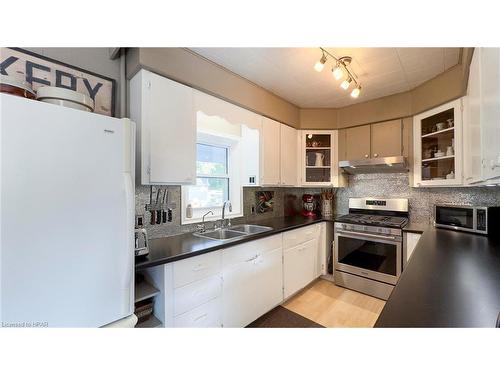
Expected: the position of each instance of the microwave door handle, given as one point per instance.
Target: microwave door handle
(367, 235)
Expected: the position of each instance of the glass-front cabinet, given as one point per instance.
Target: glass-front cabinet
(319, 151)
(438, 146)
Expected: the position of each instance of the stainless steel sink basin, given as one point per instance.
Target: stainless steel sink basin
(233, 233)
(221, 234)
(250, 228)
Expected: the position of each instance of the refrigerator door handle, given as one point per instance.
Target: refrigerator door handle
(130, 246)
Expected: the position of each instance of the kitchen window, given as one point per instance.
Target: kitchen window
(216, 180)
(212, 177)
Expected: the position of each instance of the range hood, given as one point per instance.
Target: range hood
(392, 164)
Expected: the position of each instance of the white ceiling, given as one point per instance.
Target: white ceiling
(289, 73)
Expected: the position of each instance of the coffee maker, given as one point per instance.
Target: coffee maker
(308, 205)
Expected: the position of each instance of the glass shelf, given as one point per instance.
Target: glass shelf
(438, 158)
(444, 131)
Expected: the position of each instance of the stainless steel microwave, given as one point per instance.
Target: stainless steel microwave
(476, 219)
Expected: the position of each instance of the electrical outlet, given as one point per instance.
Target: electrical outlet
(139, 221)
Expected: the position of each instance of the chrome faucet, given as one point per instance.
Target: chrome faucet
(229, 205)
(201, 227)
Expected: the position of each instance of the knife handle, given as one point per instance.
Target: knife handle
(153, 217)
(164, 216)
(158, 217)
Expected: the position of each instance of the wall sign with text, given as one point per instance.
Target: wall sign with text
(43, 71)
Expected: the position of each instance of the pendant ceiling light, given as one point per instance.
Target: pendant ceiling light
(341, 70)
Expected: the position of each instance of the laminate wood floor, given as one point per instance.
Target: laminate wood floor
(331, 306)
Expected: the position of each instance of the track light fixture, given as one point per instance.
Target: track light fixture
(341, 70)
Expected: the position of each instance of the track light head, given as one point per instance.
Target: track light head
(337, 72)
(355, 93)
(320, 64)
(346, 83)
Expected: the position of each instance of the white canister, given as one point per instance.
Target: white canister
(65, 97)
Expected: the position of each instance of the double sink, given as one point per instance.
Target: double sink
(233, 233)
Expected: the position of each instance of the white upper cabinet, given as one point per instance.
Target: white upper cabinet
(437, 136)
(490, 111)
(166, 130)
(472, 123)
(482, 118)
(270, 153)
(288, 155)
(319, 159)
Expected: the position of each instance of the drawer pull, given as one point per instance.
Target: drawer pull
(203, 316)
(199, 267)
(252, 258)
(200, 292)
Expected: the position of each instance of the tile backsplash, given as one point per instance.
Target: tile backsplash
(287, 200)
(421, 200)
(249, 205)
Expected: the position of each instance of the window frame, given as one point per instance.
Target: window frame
(235, 189)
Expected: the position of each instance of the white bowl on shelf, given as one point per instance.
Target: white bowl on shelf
(439, 154)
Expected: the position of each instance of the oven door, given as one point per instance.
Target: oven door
(376, 257)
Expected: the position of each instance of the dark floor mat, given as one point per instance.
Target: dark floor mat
(280, 317)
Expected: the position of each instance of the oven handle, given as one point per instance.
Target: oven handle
(368, 235)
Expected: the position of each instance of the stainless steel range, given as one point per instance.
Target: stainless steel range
(369, 245)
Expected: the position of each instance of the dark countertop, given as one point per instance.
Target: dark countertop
(451, 280)
(173, 248)
(415, 227)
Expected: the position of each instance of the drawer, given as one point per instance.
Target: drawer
(196, 268)
(242, 253)
(192, 295)
(297, 236)
(205, 316)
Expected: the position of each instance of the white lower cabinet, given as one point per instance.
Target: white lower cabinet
(299, 266)
(410, 242)
(253, 281)
(234, 286)
(252, 288)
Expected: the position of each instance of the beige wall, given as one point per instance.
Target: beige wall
(382, 109)
(193, 70)
(318, 118)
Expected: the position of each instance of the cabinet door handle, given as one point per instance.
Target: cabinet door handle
(375, 155)
(366, 155)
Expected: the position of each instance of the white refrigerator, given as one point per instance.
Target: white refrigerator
(67, 216)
